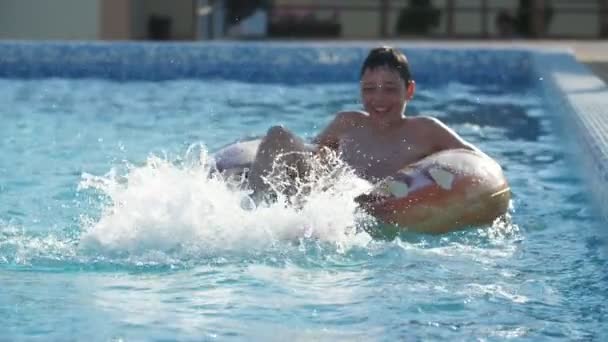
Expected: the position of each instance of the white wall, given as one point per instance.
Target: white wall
(45, 19)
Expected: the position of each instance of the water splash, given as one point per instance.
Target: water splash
(176, 206)
(17, 247)
(179, 213)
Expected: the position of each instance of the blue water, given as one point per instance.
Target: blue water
(109, 229)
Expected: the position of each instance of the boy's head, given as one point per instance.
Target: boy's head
(386, 84)
(390, 58)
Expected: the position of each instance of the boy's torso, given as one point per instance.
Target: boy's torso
(377, 153)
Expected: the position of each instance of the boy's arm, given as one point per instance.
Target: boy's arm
(330, 136)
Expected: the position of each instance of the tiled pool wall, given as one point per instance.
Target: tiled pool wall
(251, 62)
(579, 99)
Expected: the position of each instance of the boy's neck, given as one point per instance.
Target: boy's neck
(391, 123)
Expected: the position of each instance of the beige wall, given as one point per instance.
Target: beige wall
(56, 19)
(128, 19)
(91, 19)
(362, 24)
(571, 23)
(356, 23)
(115, 20)
(564, 23)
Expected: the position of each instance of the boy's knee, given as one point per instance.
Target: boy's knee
(279, 135)
(274, 141)
(278, 130)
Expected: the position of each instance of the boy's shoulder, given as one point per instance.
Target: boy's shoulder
(425, 121)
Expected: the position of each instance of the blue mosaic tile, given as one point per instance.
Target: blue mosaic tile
(252, 62)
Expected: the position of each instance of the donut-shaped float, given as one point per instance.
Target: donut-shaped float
(443, 192)
(235, 159)
(446, 191)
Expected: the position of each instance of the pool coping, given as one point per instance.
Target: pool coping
(581, 99)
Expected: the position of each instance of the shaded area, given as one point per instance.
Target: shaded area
(527, 21)
(599, 68)
(420, 17)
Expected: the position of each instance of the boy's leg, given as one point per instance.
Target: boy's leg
(278, 143)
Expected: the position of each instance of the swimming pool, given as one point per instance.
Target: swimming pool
(109, 230)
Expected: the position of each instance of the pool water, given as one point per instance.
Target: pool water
(110, 229)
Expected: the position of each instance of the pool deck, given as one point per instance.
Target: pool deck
(594, 55)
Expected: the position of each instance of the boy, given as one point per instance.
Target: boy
(376, 142)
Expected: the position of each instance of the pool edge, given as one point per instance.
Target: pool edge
(580, 98)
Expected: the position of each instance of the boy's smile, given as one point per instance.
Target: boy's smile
(384, 94)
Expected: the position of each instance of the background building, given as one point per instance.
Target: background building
(332, 19)
(98, 19)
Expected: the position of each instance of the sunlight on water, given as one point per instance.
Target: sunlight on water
(167, 206)
(19, 247)
(98, 239)
(175, 211)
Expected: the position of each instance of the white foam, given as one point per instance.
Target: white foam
(498, 290)
(21, 248)
(164, 206)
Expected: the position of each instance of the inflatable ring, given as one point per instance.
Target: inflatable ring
(446, 191)
(443, 192)
(236, 159)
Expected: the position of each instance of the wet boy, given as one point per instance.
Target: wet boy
(375, 142)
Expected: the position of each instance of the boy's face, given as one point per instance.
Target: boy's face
(384, 93)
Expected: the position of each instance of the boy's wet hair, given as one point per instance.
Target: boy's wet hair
(389, 57)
